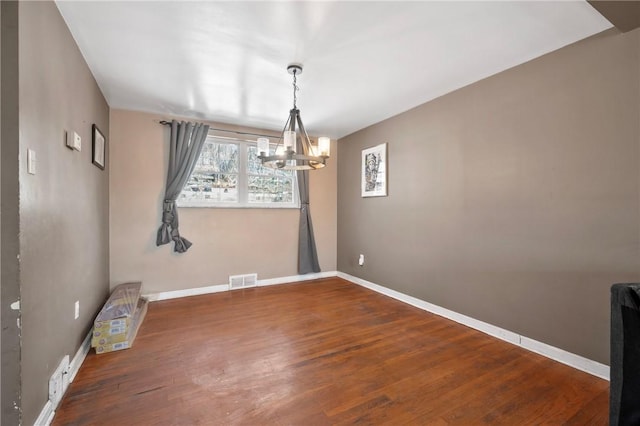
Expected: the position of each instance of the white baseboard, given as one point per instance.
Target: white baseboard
(576, 361)
(80, 355)
(48, 411)
(557, 354)
(165, 295)
(46, 415)
(296, 278)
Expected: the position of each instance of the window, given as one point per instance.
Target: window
(229, 174)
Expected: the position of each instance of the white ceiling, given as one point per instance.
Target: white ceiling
(363, 61)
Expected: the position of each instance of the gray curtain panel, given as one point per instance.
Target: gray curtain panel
(307, 254)
(186, 144)
(624, 387)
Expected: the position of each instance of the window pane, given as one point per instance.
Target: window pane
(216, 187)
(267, 185)
(215, 176)
(218, 158)
(270, 189)
(255, 167)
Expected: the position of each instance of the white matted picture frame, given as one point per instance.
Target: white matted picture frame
(99, 147)
(374, 171)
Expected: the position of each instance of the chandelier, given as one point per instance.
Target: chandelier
(289, 154)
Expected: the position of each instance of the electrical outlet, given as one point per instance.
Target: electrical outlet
(77, 310)
(59, 382)
(361, 260)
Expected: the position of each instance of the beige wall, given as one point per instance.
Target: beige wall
(514, 200)
(225, 241)
(64, 228)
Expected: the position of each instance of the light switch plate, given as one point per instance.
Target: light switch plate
(31, 162)
(67, 140)
(77, 142)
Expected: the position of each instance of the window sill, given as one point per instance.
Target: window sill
(235, 206)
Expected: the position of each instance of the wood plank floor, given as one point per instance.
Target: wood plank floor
(320, 353)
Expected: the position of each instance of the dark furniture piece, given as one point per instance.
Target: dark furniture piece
(624, 394)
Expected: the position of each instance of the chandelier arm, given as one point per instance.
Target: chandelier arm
(286, 127)
(306, 148)
(315, 166)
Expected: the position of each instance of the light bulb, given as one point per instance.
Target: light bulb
(324, 146)
(290, 140)
(263, 146)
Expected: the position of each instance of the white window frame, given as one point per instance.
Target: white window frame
(243, 183)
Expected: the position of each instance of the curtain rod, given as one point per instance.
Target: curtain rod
(168, 123)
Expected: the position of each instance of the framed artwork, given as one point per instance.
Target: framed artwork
(99, 146)
(374, 171)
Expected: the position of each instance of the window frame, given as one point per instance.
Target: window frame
(243, 182)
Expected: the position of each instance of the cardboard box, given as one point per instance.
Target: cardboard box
(139, 314)
(112, 324)
(119, 308)
(110, 336)
(109, 331)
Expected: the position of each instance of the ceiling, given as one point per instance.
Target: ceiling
(363, 61)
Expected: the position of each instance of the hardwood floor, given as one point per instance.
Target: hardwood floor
(319, 353)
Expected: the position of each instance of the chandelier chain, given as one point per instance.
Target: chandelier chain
(295, 89)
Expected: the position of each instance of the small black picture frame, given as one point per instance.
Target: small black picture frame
(99, 147)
